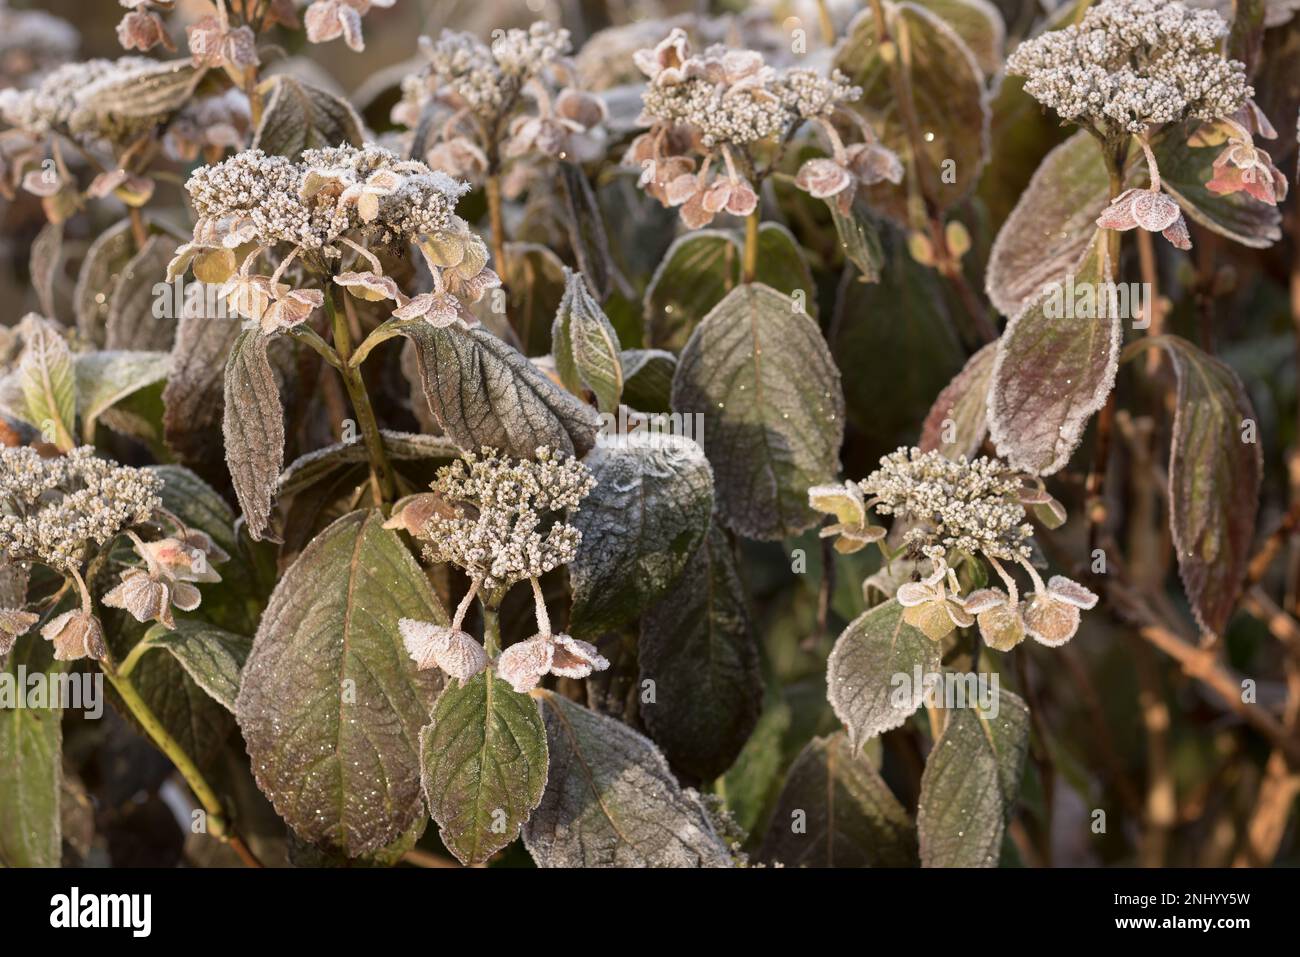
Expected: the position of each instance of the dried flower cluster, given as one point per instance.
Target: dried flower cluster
(172, 565)
(332, 203)
(714, 108)
(486, 515)
(955, 510)
(55, 509)
(310, 203)
(1131, 64)
(475, 95)
(498, 509)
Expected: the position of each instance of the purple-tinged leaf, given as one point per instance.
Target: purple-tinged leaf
(1055, 366)
(1051, 226)
(253, 425)
(958, 420)
(1215, 468)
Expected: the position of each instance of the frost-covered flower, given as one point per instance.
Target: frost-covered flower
(569, 129)
(484, 79)
(970, 506)
(524, 663)
(330, 19)
(852, 531)
(311, 203)
(849, 168)
(1130, 64)
(1244, 168)
(1000, 622)
(76, 634)
(14, 623)
(142, 28)
(501, 507)
(215, 43)
(172, 566)
(209, 125)
(53, 510)
(437, 646)
(710, 109)
(934, 604)
(1052, 616)
(1152, 210)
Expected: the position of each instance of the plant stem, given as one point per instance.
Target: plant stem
(749, 268)
(381, 474)
(491, 628)
(217, 824)
(825, 23)
(497, 224)
(1094, 505)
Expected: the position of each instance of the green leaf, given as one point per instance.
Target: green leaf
(640, 526)
(535, 285)
(1184, 171)
(104, 260)
(861, 675)
(898, 338)
(859, 240)
(49, 383)
(611, 800)
(31, 761)
(585, 346)
(299, 116)
(213, 658)
(1215, 470)
(753, 779)
(586, 227)
(696, 273)
(698, 648)
(837, 811)
(46, 266)
(483, 765)
(306, 470)
(1055, 366)
(1051, 226)
(253, 426)
(483, 392)
(199, 723)
(702, 267)
(759, 372)
(978, 23)
(648, 379)
(958, 420)
(330, 703)
(105, 378)
(131, 322)
(193, 399)
(947, 90)
(971, 780)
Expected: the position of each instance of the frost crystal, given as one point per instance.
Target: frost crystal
(1134, 63)
(313, 202)
(53, 510)
(465, 74)
(955, 512)
(500, 506)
